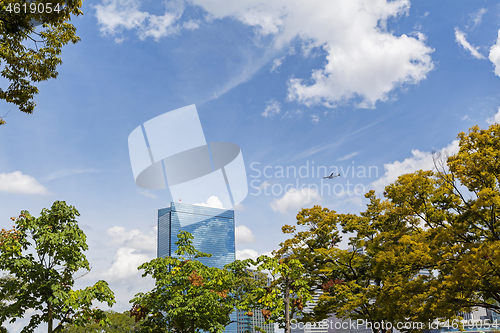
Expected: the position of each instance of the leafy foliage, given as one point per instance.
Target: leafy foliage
(430, 248)
(30, 52)
(5, 296)
(42, 255)
(287, 292)
(117, 323)
(189, 296)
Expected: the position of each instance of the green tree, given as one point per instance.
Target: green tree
(366, 281)
(287, 292)
(430, 248)
(457, 208)
(42, 255)
(5, 297)
(117, 323)
(346, 284)
(188, 296)
(32, 34)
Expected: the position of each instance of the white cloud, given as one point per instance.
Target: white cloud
(135, 248)
(213, 202)
(364, 61)
(246, 254)
(250, 254)
(16, 182)
(115, 16)
(348, 156)
(244, 234)
(134, 238)
(495, 119)
(293, 113)
(294, 200)
(125, 263)
(191, 25)
(477, 17)
(419, 161)
(495, 55)
(273, 108)
(276, 64)
(460, 38)
(314, 118)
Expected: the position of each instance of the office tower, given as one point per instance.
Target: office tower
(213, 232)
(212, 229)
(246, 323)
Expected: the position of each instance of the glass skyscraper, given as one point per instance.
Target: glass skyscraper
(212, 229)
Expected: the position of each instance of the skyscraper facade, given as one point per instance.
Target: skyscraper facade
(212, 229)
(213, 232)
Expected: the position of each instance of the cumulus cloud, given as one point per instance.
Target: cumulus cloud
(125, 263)
(419, 161)
(246, 254)
(294, 200)
(115, 16)
(364, 61)
(461, 39)
(495, 119)
(16, 182)
(244, 234)
(273, 108)
(135, 248)
(136, 239)
(495, 55)
(250, 254)
(213, 202)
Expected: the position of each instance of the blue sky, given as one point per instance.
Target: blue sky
(363, 84)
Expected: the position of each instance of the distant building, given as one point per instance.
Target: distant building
(212, 229)
(248, 324)
(317, 327)
(213, 232)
